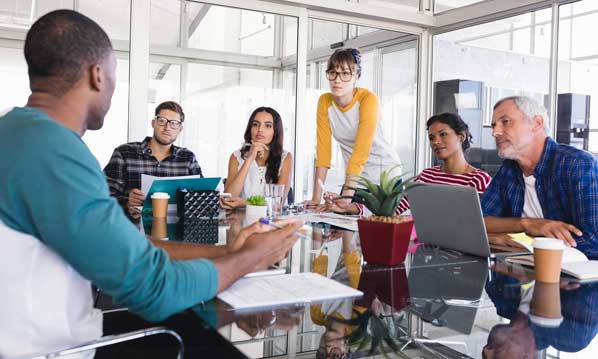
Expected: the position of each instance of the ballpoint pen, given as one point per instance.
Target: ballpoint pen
(269, 223)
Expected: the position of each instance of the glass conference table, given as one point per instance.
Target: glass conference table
(438, 304)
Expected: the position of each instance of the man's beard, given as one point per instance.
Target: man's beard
(163, 143)
(509, 152)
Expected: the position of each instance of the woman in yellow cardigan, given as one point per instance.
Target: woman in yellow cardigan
(351, 114)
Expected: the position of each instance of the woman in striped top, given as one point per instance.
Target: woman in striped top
(449, 137)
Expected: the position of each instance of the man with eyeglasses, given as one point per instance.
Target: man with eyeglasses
(155, 156)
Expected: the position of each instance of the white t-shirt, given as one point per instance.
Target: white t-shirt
(531, 203)
(256, 177)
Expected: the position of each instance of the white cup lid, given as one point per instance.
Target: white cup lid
(545, 322)
(160, 195)
(548, 243)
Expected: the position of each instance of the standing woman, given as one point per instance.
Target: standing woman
(351, 114)
(260, 160)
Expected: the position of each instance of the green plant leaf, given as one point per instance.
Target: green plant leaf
(388, 207)
(365, 342)
(383, 352)
(371, 201)
(256, 200)
(383, 198)
(392, 344)
(375, 343)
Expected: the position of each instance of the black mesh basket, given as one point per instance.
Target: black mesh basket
(198, 230)
(197, 203)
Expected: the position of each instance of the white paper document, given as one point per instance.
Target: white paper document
(335, 219)
(284, 289)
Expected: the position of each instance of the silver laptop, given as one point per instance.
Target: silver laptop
(451, 217)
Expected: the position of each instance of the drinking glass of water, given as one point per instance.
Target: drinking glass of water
(274, 194)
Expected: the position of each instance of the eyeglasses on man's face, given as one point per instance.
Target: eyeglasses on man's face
(162, 121)
(344, 75)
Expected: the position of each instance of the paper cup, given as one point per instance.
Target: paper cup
(159, 228)
(545, 307)
(548, 254)
(160, 204)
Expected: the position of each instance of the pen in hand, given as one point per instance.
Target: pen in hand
(269, 223)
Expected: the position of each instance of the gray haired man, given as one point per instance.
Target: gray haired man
(542, 188)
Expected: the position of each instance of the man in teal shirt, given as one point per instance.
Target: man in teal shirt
(59, 227)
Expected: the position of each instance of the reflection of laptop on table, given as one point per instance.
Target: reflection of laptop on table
(446, 290)
(451, 217)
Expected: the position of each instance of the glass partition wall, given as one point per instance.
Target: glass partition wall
(476, 66)
(221, 63)
(113, 15)
(577, 86)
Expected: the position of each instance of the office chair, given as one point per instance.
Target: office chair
(110, 340)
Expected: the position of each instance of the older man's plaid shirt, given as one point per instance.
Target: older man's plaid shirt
(131, 160)
(566, 185)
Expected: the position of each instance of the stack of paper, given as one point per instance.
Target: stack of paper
(284, 289)
(339, 220)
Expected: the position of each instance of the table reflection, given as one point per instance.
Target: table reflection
(401, 306)
(524, 303)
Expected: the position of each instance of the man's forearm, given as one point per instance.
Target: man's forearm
(504, 225)
(185, 251)
(234, 266)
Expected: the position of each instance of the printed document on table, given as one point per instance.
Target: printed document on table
(339, 220)
(284, 289)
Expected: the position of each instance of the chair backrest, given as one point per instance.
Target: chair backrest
(44, 303)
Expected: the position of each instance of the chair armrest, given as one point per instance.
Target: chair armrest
(113, 339)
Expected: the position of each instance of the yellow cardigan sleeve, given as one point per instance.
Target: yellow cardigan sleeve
(353, 266)
(324, 132)
(369, 113)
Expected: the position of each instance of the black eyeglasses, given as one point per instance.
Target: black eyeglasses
(162, 121)
(344, 75)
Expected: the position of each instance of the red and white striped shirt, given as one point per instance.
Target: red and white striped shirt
(477, 179)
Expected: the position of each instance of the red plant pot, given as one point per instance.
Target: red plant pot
(384, 243)
(388, 284)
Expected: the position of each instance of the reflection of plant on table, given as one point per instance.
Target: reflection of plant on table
(381, 332)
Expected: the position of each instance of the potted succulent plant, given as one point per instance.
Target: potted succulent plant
(256, 206)
(384, 236)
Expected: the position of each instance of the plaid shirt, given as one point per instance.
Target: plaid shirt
(131, 160)
(566, 185)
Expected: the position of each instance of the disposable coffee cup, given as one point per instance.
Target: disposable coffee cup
(545, 307)
(548, 254)
(159, 228)
(160, 204)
